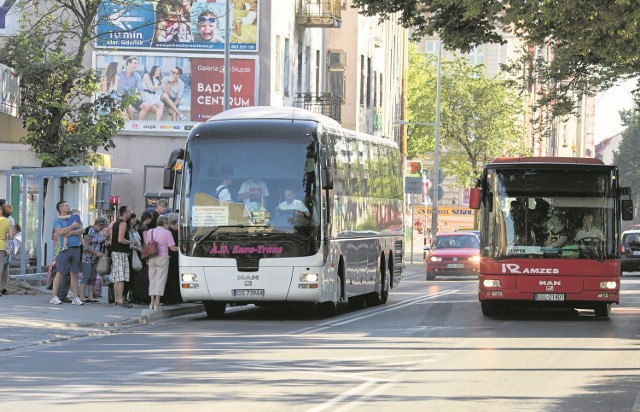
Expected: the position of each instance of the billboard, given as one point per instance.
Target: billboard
(178, 25)
(175, 92)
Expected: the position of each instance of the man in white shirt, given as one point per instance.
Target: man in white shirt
(253, 193)
(587, 230)
(291, 203)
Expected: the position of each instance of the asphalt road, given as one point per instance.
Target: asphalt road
(428, 348)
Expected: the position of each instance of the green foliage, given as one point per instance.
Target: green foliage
(627, 158)
(480, 118)
(64, 124)
(595, 43)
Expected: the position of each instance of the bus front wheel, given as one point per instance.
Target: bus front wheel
(602, 310)
(490, 308)
(215, 310)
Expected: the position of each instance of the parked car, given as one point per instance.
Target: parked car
(630, 251)
(454, 254)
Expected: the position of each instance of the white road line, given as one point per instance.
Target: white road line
(357, 317)
(156, 371)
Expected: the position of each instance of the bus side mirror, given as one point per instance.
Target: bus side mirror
(327, 171)
(474, 197)
(169, 169)
(168, 178)
(627, 209)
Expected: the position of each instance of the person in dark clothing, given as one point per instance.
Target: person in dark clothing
(172, 294)
(161, 209)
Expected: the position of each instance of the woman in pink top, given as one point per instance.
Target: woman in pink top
(159, 264)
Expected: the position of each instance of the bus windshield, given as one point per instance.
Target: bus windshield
(251, 197)
(549, 213)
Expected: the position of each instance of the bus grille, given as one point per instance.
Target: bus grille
(247, 264)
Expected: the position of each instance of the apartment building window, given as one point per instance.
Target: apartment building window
(380, 87)
(337, 65)
(362, 80)
(287, 65)
(476, 56)
(300, 69)
(431, 46)
(307, 69)
(375, 89)
(278, 68)
(369, 78)
(317, 71)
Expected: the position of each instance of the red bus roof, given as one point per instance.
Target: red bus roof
(581, 160)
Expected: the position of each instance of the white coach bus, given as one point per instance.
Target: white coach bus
(281, 205)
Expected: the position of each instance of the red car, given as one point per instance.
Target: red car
(453, 254)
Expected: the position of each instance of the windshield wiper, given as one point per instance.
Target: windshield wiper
(204, 237)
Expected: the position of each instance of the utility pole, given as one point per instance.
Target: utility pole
(227, 41)
(436, 160)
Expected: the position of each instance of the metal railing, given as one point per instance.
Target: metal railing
(327, 104)
(319, 13)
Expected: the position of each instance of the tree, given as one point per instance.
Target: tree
(595, 43)
(64, 124)
(480, 117)
(627, 157)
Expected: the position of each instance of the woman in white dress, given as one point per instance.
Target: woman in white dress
(153, 90)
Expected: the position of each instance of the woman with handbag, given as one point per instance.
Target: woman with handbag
(159, 263)
(92, 250)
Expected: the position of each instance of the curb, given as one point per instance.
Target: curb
(146, 316)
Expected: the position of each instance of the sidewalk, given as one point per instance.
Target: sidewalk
(30, 320)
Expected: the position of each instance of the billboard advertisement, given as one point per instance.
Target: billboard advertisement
(176, 92)
(178, 25)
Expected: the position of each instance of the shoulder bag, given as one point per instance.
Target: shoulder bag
(150, 248)
(104, 265)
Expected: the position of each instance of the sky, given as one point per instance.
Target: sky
(608, 104)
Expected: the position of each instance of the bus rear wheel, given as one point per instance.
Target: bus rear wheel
(215, 310)
(602, 310)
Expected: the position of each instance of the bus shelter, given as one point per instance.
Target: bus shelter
(40, 174)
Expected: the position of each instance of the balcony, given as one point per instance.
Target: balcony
(319, 13)
(327, 104)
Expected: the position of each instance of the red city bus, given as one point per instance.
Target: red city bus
(550, 233)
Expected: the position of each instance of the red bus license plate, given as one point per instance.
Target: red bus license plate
(549, 297)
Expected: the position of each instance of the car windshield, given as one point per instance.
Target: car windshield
(456, 242)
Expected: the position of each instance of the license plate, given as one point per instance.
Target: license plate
(455, 265)
(550, 297)
(248, 293)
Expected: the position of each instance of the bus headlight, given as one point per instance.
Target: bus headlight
(189, 277)
(609, 284)
(491, 283)
(309, 277)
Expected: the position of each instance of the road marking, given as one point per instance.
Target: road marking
(383, 310)
(156, 371)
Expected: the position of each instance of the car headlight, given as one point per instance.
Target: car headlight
(474, 259)
(435, 259)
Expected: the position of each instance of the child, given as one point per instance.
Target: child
(208, 28)
(74, 216)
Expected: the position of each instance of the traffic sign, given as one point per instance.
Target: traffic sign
(413, 185)
(414, 169)
(440, 193)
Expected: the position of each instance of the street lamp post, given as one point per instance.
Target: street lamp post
(436, 160)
